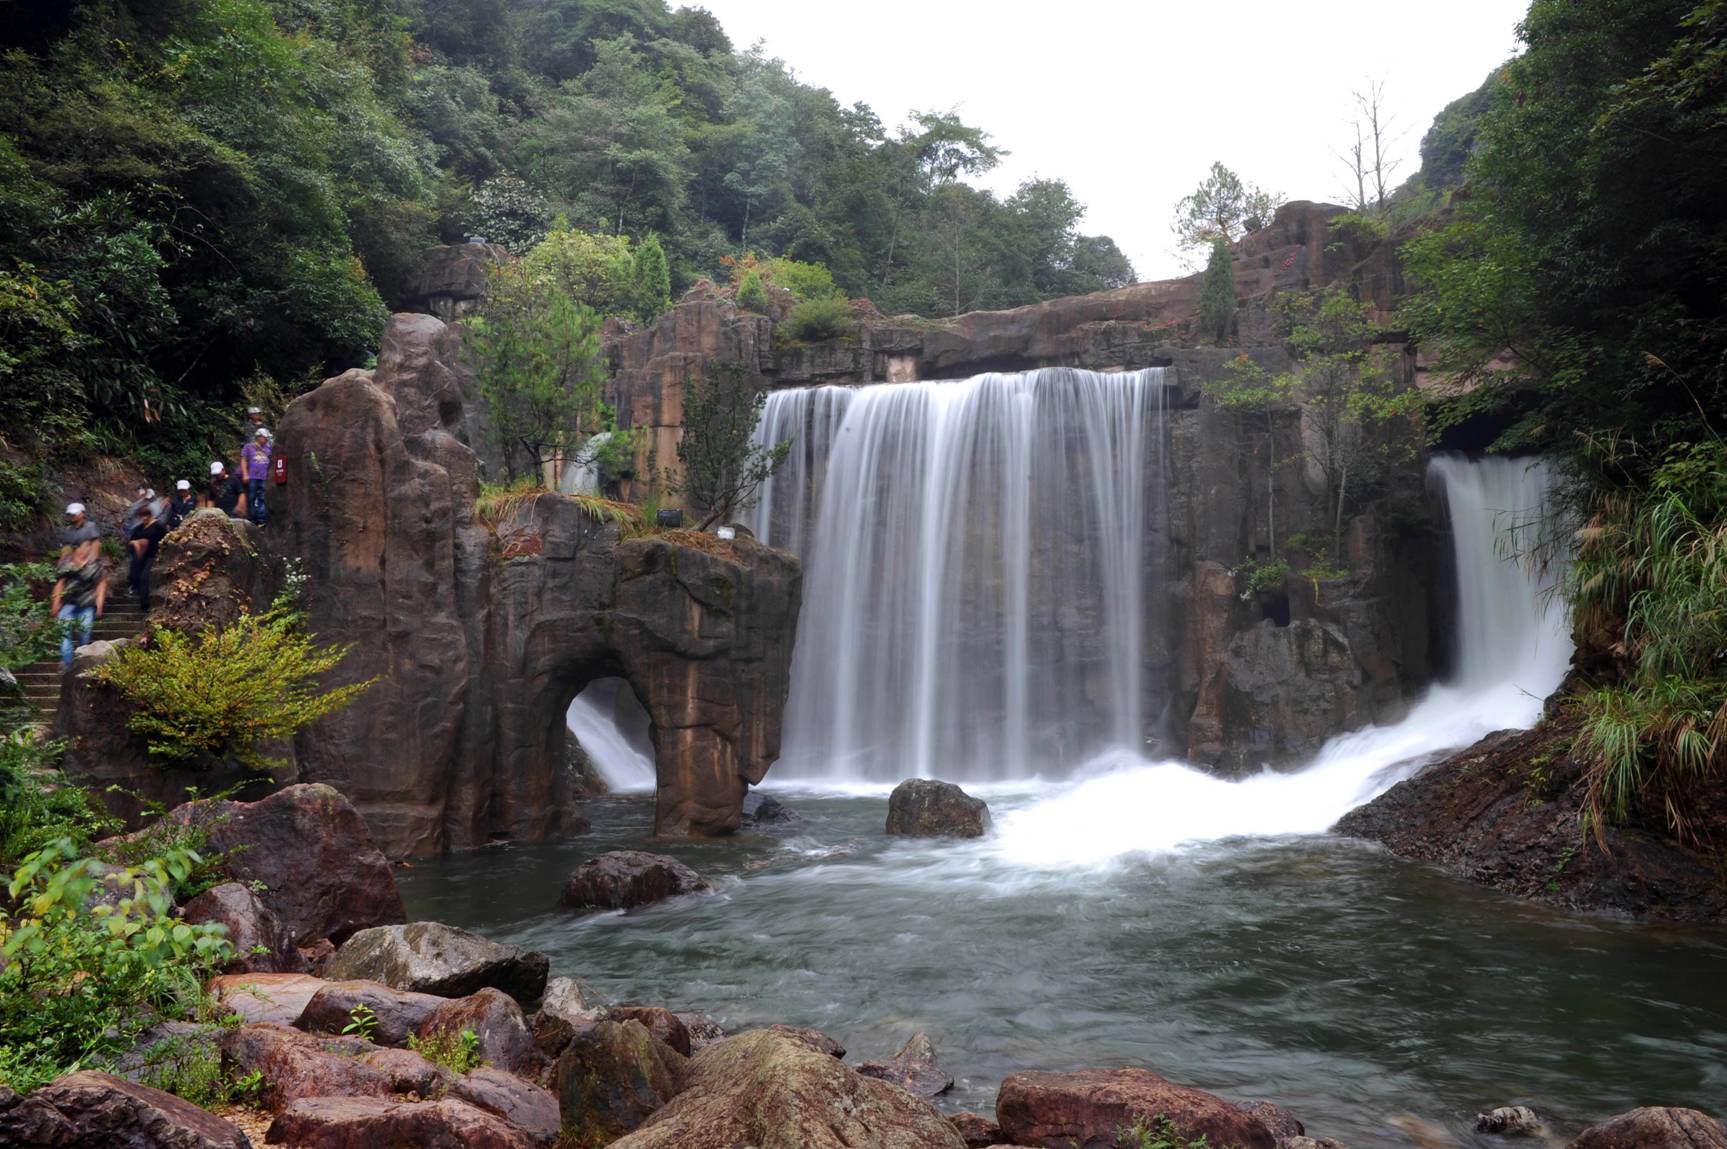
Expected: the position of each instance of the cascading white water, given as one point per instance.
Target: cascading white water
(1513, 650)
(975, 560)
(583, 476)
(611, 727)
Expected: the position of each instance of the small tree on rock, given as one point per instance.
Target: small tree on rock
(1222, 207)
(723, 468)
(652, 279)
(1217, 294)
(536, 354)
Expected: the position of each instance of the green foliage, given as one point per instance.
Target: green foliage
(752, 294)
(723, 468)
(1223, 208)
(651, 280)
(536, 353)
(596, 271)
(816, 319)
(362, 1021)
(804, 280)
(37, 805)
(457, 1052)
(27, 634)
(1651, 566)
(94, 958)
(1254, 396)
(1156, 1133)
(506, 210)
(1259, 577)
(224, 694)
(1217, 295)
(190, 1066)
(1449, 143)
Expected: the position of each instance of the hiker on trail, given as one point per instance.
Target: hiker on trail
(143, 542)
(80, 593)
(145, 498)
(180, 505)
(255, 467)
(226, 494)
(81, 541)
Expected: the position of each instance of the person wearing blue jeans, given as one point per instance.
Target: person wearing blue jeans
(255, 469)
(79, 596)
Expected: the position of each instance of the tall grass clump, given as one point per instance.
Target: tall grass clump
(1651, 566)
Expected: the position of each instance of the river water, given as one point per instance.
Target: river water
(1122, 911)
(1323, 974)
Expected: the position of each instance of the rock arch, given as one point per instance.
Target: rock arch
(480, 633)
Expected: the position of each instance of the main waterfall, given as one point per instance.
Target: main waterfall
(977, 555)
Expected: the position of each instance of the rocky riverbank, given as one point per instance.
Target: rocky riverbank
(352, 1027)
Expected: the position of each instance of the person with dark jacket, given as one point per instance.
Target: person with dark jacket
(226, 493)
(143, 542)
(181, 505)
(80, 593)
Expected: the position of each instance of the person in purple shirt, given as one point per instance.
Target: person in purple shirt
(255, 470)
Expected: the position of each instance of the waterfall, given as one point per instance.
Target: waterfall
(1513, 650)
(1508, 630)
(612, 728)
(976, 554)
(583, 477)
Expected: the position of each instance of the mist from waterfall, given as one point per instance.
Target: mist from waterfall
(976, 556)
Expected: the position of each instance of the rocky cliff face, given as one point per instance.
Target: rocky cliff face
(480, 634)
(1245, 678)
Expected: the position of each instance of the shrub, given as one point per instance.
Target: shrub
(37, 807)
(457, 1052)
(751, 295)
(804, 280)
(22, 497)
(817, 319)
(93, 959)
(221, 694)
(1157, 1133)
(27, 634)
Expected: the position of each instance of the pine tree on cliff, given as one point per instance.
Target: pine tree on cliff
(1217, 295)
(653, 279)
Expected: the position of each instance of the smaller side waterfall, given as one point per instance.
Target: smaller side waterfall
(612, 728)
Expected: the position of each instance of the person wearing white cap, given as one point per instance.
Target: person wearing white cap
(225, 492)
(82, 538)
(255, 467)
(181, 505)
(80, 591)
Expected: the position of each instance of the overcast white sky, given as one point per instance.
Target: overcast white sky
(1130, 102)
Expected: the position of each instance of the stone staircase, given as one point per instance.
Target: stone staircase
(121, 618)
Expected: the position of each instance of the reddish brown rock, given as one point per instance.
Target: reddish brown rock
(976, 1130)
(612, 1077)
(484, 633)
(296, 1065)
(308, 848)
(1654, 1127)
(913, 1069)
(665, 1025)
(771, 1091)
(99, 1111)
(623, 879)
(703, 1030)
(812, 1038)
(251, 928)
(397, 1012)
(521, 1103)
(1281, 1123)
(497, 1021)
(375, 1122)
(1085, 1109)
(271, 997)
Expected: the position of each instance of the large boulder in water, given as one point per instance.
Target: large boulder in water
(430, 957)
(925, 808)
(771, 1091)
(623, 879)
(88, 1110)
(1086, 1108)
(1654, 1127)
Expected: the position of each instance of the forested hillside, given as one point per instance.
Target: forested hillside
(210, 201)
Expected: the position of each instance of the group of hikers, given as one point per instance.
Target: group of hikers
(81, 584)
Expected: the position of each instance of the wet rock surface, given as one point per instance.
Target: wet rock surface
(913, 1069)
(613, 1077)
(768, 1090)
(398, 1013)
(271, 997)
(496, 1021)
(429, 957)
(925, 808)
(89, 1110)
(1654, 1127)
(624, 879)
(1086, 1109)
(665, 1025)
(1510, 1121)
(762, 812)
